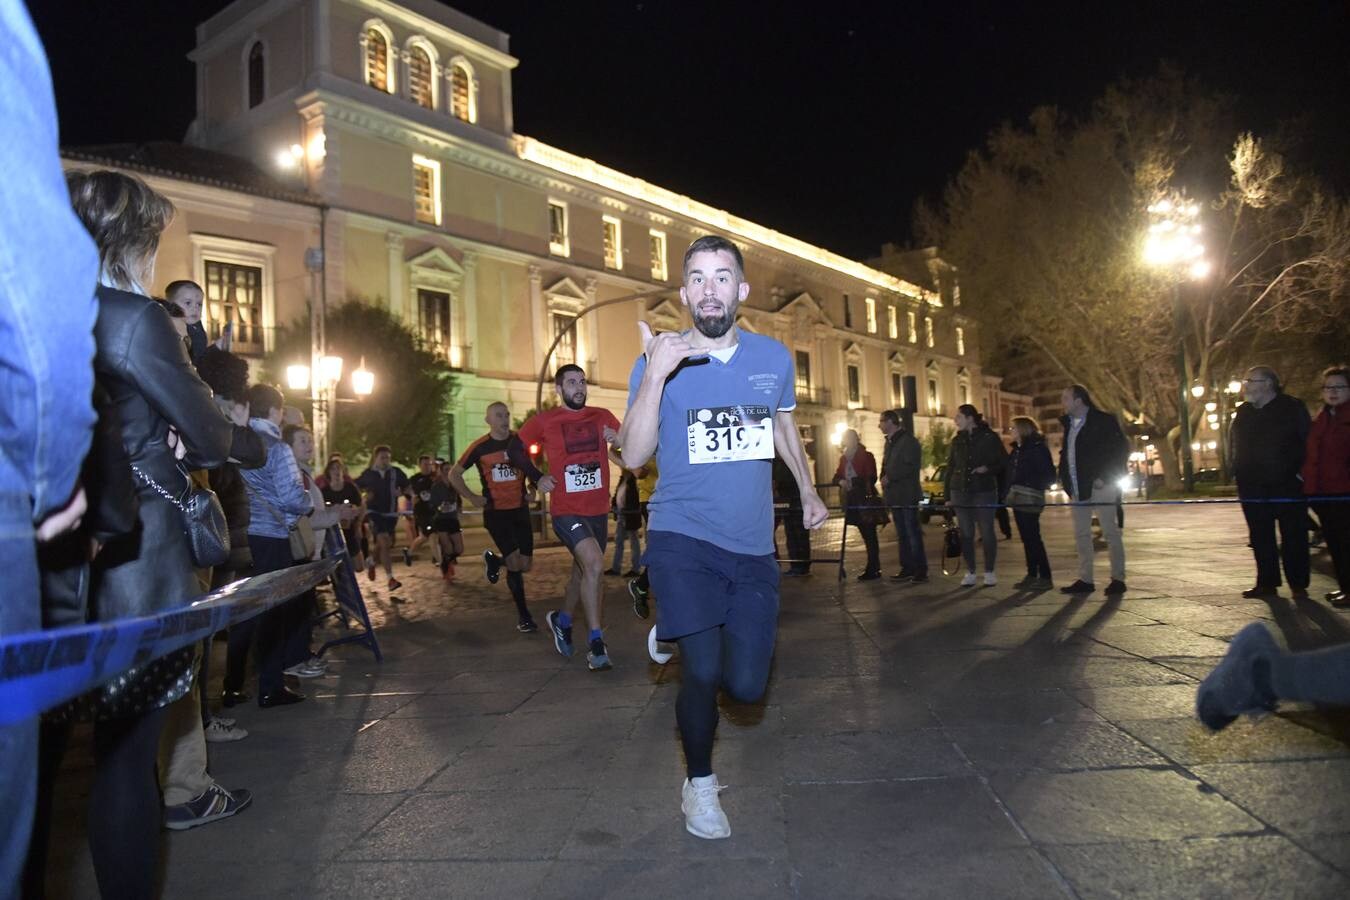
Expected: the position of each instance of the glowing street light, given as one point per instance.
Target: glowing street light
(1173, 243)
(363, 381)
(330, 369)
(297, 377)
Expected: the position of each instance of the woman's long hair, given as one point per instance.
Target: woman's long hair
(970, 412)
(125, 218)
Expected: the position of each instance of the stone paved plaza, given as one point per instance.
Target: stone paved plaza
(918, 742)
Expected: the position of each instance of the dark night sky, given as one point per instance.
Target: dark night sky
(826, 121)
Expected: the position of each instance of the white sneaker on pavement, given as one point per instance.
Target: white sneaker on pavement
(660, 651)
(969, 580)
(223, 731)
(703, 816)
(990, 579)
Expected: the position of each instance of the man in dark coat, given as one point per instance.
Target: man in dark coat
(1094, 456)
(901, 462)
(1269, 438)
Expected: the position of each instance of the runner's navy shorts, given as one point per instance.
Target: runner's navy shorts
(699, 585)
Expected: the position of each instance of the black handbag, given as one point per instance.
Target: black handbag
(873, 510)
(951, 547)
(203, 519)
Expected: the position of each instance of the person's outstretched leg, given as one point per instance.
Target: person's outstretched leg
(696, 703)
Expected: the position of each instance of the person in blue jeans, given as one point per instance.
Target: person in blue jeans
(901, 465)
(1031, 468)
(47, 313)
(715, 405)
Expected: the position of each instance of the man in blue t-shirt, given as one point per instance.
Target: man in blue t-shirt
(714, 404)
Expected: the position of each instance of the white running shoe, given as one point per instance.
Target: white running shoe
(990, 579)
(703, 816)
(969, 580)
(660, 651)
(223, 731)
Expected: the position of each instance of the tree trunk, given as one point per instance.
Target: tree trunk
(1169, 455)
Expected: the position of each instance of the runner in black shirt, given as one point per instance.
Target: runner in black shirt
(502, 466)
(423, 510)
(444, 501)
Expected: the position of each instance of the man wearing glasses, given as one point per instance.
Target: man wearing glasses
(1269, 438)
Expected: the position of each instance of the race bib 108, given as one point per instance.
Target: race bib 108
(582, 477)
(729, 433)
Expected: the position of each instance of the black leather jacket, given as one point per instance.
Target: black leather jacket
(145, 369)
(143, 365)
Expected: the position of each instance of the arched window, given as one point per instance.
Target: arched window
(256, 74)
(378, 71)
(421, 79)
(462, 100)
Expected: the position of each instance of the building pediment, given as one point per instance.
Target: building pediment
(566, 287)
(804, 307)
(852, 351)
(435, 268)
(665, 315)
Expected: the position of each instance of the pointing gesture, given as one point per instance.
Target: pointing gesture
(664, 351)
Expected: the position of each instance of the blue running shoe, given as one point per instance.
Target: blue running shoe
(562, 637)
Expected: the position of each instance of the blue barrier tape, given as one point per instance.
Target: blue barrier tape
(1206, 501)
(43, 669)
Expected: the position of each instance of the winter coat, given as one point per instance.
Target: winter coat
(144, 367)
(901, 463)
(863, 485)
(1268, 447)
(1326, 466)
(276, 492)
(970, 450)
(1030, 464)
(1101, 453)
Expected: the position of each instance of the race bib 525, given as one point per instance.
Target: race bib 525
(729, 433)
(582, 477)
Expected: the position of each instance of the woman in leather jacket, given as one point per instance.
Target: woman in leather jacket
(973, 466)
(169, 422)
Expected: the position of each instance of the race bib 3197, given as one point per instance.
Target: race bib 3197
(729, 433)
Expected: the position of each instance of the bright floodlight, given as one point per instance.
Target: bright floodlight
(330, 369)
(1197, 390)
(297, 377)
(363, 381)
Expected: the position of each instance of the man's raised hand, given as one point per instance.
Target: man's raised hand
(664, 351)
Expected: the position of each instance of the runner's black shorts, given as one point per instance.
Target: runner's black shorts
(510, 530)
(423, 517)
(572, 530)
(445, 525)
(382, 523)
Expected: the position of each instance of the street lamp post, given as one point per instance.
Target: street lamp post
(1173, 244)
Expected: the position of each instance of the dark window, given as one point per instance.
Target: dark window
(854, 386)
(256, 73)
(848, 313)
(433, 320)
(234, 297)
(566, 352)
(803, 370)
(897, 392)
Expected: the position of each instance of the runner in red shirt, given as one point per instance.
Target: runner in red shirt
(575, 438)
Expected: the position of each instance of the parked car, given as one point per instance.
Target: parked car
(934, 500)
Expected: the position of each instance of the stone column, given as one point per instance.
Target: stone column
(590, 326)
(538, 315)
(470, 305)
(400, 304)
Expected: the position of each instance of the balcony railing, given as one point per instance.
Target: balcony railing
(813, 396)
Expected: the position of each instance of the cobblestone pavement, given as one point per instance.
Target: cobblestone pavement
(916, 742)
